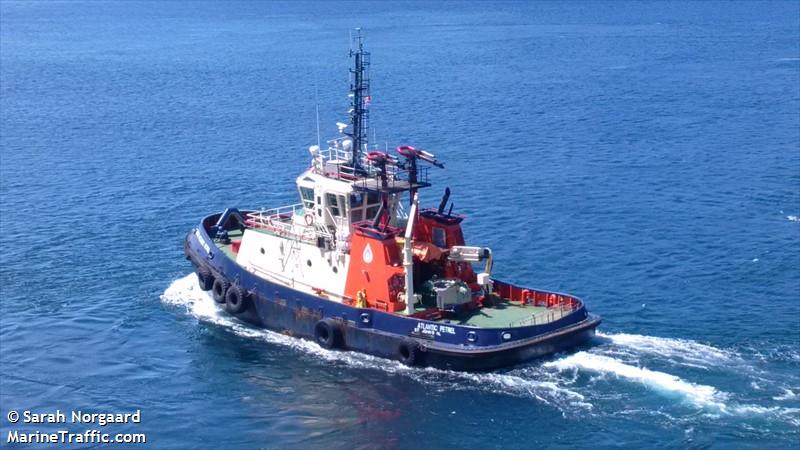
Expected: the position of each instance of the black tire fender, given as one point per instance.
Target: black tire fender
(219, 289)
(408, 352)
(236, 299)
(205, 278)
(327, 334)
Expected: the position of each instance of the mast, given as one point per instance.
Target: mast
(360, 99)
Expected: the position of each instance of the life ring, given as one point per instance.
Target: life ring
(218, 289)
(205, 278)
(327, 334)
(309, 218)
(235, 300)
(408, 352)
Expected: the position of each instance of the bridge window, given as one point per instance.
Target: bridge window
(373, 205)
(373, 197)
(356, 200)
(342, 205)
(439, 237)
(356, 207)
(307, 194)
(333, 205)
(372, 211)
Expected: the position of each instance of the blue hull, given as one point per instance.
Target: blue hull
(285, 310)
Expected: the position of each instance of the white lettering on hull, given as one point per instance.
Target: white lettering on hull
(202, 241)
(432, 330)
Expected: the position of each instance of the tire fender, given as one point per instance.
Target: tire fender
(205, 278)
(236, 300)
(408, 352)
(327, 334)
(219, 289)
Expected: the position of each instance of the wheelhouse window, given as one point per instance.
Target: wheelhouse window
(372, 211)
(356, 200)
(439, 237)
(307, 194)
(373, 205)
(333, 205)
(356, 207)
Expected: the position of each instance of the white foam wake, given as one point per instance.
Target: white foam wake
(793, 218)
(679, 351)
(186, 293)
(698, 394)
(788, 394)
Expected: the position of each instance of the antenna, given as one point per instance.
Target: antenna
(359, 99)
(316, 102)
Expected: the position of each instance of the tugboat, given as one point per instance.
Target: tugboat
(350, 269)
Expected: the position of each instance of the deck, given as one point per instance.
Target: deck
(234, 235)
(508, 314)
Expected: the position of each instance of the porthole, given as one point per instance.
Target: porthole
(262, 250)
(335, 269)
(308, 263)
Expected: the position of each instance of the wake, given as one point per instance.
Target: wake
(677, 351)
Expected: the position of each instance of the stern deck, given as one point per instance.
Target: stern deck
(507, 314)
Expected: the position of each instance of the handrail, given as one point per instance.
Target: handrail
(550, 315)
(343, 157)
(558, 304)
(281, 221)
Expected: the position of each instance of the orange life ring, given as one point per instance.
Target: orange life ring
(526, 294)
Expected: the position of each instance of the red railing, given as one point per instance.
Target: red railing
(535, 297)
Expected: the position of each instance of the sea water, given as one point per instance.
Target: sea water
(643, 156)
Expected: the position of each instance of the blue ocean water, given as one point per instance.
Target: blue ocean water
(644, 156)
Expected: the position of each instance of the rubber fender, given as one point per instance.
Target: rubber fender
(408, 352)
(205, 278)
(219, 289)
(236, 300)
(327, 334)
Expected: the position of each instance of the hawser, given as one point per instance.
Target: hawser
(348, 267)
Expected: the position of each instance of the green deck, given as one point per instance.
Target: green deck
(507, 314)
(234, 235)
